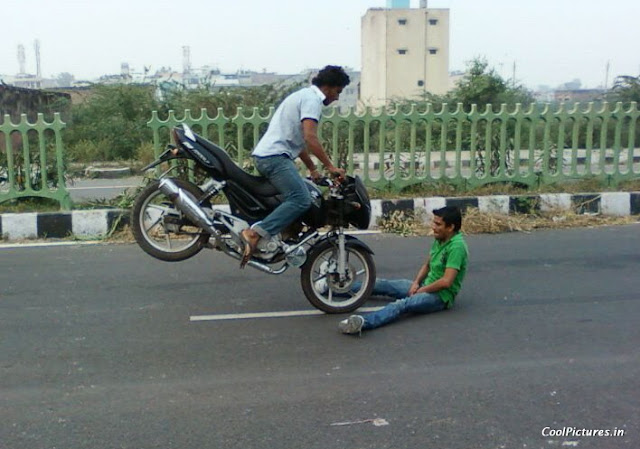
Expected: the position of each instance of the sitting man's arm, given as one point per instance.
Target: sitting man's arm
(421, 276)
(445, 281)
(455, 261)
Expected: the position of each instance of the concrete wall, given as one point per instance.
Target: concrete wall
(15, 101)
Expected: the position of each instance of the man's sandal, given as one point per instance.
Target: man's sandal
(249, 249)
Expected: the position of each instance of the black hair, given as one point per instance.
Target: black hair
(332, 76)
(450, 215)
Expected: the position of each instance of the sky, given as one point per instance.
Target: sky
(549, 41)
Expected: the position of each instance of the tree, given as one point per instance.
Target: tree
(482, 85)
(113, 122)
(65, 79)
(626, 89)
(227, 98)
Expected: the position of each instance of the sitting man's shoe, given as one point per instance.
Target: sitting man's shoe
(250, 239)
(352, 325)
(321, 286)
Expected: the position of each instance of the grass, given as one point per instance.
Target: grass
(449, 190)
(476, 222)
(23, 205)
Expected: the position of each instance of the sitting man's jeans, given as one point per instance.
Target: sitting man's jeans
(283, 174)
(399, 289)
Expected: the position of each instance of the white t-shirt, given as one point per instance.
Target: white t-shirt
(284, 134)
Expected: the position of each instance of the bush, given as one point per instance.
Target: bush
(111, 124)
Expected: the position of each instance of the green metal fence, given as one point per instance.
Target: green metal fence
(32, 160)
(396, 149)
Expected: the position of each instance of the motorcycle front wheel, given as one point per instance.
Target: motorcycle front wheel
(322, 285)
(161, 230)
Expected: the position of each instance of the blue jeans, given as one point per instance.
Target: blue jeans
(399, 289)
(283, 174)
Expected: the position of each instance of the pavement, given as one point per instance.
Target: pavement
(99, 348)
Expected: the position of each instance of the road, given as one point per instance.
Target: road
(99, 350)
(83, 190)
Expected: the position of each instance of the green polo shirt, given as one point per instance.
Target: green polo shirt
(452, 254)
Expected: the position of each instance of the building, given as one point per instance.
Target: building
(579, 95)
(405, 53)
(349, 96)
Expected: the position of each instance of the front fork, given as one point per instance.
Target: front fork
(342, 256)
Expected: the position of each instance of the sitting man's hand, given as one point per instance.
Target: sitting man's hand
(414, 288)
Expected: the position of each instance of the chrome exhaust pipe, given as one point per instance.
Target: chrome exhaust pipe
(258, 265)
(188, 205)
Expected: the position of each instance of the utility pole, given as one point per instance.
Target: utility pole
(36, 45)
(606, 76)
(186, 60)
(21, 59)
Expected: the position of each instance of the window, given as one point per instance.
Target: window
(433, 51)
(402, 51)
(420, 83)
(402, 21)
(433, 21)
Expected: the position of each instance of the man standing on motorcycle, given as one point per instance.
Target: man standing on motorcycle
(292, 133)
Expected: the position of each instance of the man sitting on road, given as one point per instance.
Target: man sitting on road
(435, 286)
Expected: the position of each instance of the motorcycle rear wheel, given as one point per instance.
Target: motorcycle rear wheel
(161, 230)
(322, 287)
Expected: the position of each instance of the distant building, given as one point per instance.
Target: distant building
(544, 95)
(455, 78)
(405, 53)
(27, 81)
(579, 95)
(351, 93)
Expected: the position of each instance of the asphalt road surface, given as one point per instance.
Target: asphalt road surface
(84, 190)
(99, 349)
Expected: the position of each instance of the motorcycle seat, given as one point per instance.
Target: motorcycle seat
(258, 185)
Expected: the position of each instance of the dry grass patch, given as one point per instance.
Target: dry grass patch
(122, 235)
(476, 222)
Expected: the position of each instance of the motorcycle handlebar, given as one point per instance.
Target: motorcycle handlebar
(323, 181)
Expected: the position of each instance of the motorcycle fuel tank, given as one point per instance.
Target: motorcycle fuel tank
(315, 217)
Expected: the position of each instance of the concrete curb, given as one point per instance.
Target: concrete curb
(99, 222)
(107, 172)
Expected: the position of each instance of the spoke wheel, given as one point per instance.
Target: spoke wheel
(322, 284)
(161, 230)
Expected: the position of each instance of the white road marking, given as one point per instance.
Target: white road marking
(362, 232)
(101, 187)
(43, 244)
(249, 316)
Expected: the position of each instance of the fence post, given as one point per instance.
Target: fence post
(22, 171)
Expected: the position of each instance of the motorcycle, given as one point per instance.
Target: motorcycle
(173, 220)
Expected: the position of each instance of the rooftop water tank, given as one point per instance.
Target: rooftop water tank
(398, 4)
